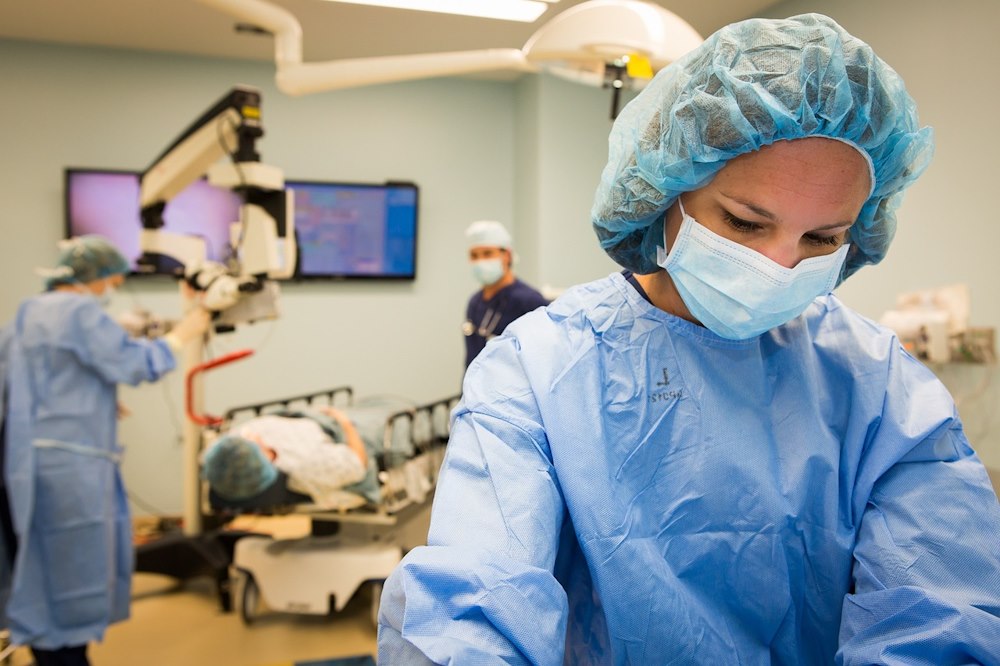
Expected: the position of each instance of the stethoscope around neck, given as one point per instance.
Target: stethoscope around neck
(487, 324)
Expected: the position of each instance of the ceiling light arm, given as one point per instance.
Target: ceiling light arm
(352, 73)
(294, 77)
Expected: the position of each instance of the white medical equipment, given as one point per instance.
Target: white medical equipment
(933, 325)
(262, 242)
(356, 543)
(263, 246)
(262, 249)
(616, 44)
(309, 576)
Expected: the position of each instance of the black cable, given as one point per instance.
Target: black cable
(143, 504)
(243, 181)
(172, 410)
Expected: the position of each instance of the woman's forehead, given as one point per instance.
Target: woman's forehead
(814, 169)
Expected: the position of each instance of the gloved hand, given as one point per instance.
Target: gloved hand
(194, 324)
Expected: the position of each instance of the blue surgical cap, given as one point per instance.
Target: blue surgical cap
(749, 85)
(237, 468)
(84, 259)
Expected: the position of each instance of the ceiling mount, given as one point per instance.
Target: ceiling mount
(634, 38)
(251, 29)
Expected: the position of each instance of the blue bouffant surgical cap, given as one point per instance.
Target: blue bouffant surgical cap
(749, 85)
(237, 469)
(84, 259)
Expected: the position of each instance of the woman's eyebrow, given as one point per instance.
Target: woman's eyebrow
(763, 212)
(835, 225)
(768, 215)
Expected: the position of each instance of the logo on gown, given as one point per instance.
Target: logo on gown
(662, 394)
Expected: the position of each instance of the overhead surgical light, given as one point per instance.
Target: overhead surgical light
(580, 43)
(526, 11)
(617, 44)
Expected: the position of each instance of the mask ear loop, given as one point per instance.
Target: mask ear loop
(683, 213)
(661, 250)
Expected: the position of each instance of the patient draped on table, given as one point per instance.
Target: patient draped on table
(308, 446)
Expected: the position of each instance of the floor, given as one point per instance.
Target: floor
(183, 625)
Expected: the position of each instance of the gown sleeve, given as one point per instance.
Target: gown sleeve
(926, 569)
(100, 343)
(482, 591)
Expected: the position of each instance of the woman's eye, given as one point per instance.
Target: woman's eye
(739, 224)
(824, 241)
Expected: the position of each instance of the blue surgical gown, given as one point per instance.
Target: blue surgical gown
(74, 560)
(625, 487)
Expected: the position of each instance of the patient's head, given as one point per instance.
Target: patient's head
(238, 468)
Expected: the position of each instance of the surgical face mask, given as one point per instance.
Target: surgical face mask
(487, 271)
(738, 293)
(104, 298)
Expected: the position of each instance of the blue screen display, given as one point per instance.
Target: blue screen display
(354, 230)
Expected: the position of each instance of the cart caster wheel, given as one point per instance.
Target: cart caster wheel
(249, 598)
(376, 598)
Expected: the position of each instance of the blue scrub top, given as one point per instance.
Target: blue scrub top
(623, 486)
(486, 319)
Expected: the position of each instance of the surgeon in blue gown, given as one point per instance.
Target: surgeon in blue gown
(62, 359)
(708, 458)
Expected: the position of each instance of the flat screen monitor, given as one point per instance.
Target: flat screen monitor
(353, 230)
(106, 202)
(344, 230)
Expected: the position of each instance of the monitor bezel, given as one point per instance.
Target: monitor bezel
(299, 277)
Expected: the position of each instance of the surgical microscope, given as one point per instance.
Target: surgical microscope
(262, 248)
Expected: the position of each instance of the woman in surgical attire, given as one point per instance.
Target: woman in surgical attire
(61, 360)
(708, 458)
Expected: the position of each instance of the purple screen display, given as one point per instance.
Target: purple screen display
(107, 203)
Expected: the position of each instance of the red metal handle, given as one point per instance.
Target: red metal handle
(207, 419)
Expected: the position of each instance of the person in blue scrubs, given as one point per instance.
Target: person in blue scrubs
(708, 458)
(503, 297)
(70, 547)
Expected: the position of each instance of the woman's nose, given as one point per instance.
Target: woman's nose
(783, 252)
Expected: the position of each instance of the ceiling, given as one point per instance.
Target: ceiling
(330, 30)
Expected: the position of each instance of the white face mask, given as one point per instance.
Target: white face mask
(738, 293)
(104, 298)
(487, 271)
